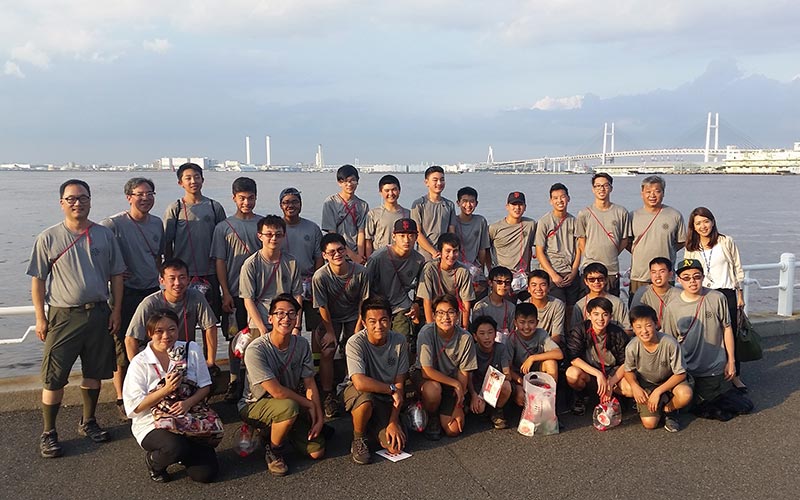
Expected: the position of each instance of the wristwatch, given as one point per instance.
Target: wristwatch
(393, 388)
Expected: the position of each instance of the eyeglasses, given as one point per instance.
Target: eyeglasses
(599, 279)
(290, 203)
(694, 277)
(285, 314)
(602, 186)
(442, 314)
(340, 251)
(149, 194)
(71, 200)
(503, 282)
(269, 236)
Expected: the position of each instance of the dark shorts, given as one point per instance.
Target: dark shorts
(568, 295)
(448, 403)
(709, 388)
(267, 411)
(381, 407)
(240, 315)
(214, 295)
(644, 411)
(74, 332)
(311, 316)
(131, 298)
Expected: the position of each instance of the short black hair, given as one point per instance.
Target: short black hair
(467, 191)
(173, 263)
(601, 302)
(436, 169)
(346, 171)
(595, 267)
(526, 309)
(271, 221)
(643, 311)
(662, 260)
(376, 303)
(448, 298)
(448, 239)
(331, 238)
(73, 182)
(187, 166)
(499, 272)
(558, 187)
(539, 273)
(482, 320)
(135, 181)
(283, 297)
(604, 176)
(244, 185)
(154, 317)
(388, 179)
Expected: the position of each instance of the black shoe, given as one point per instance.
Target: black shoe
(579, 407)
(158, 477)
(233, 394)
(331, 405)
(433, 431)
(49, 447)
(93, 431)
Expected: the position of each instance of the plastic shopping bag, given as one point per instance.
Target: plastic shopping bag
(539, 414)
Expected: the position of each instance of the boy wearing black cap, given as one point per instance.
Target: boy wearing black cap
(512, 239)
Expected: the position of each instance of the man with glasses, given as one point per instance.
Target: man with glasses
(339, 288)
(603, 230)
(595, 277)
(268, 273)
(278, 366)
(346, 214)
(698, 317)
(140, 236)
(70, 267)
(302, 242)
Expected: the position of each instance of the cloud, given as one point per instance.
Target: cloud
(157, 45)
(558, 103)
(12, 69)
(31, 54)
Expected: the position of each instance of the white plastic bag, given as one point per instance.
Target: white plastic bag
(519, 281)
(492, 384)
(539, 414)
(241, 341)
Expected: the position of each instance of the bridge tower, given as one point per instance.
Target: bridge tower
(606, 134)
(490, 157)
(715, 126)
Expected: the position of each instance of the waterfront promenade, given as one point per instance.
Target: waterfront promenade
(753, 456)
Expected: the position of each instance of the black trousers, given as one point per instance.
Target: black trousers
(167, 448)
(733, 310)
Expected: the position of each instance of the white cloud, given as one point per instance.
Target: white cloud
(157, 45)
(12, 69)
(31, 54)
(548, 103)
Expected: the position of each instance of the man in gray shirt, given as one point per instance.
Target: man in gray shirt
(140, 236)
(70, 267)
(603, 230)
(345, 213)
(380, 220)
(433, 213)
(377, 364)
(446, 274)
(512, 240)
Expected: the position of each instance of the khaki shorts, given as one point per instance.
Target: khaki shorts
(74, 332)
(267, 411)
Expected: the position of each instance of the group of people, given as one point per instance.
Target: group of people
(420, 301)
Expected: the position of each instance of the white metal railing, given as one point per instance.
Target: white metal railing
(786, 285)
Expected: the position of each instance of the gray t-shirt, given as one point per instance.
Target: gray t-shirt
(499, 359)
(603, 230)
(84, 263)
(433, 219)
(234, 241)
(191, 238)
(345, 218)
(702, 339)
(557, 237)
(192, 311)
(382, 363)
(654, 235)
(341, 295)
(395, 278)
(551, 317)
(502, 314)
(142, 244)
(266, 362)
(646, 295)
(474, 236)
(657, 366)
(521, 348)
(436, 281)
(512, 243)
(448, 357)
(619, 311)
(302, 242)
(380, 225)
(261, 281)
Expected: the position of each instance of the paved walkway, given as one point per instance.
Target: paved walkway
(753, 456)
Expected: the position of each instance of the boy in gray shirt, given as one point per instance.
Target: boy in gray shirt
(473, 235)
(345, 213)
(660, 291)
(433, 213)
(445, 274)
(380, 220)
(512, 240)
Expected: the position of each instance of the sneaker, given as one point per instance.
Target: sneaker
(330, 405)
(232, 395)
(579, 407)
(433, 431)
(275, 462)
(360, 451)
(49, 447)
(671, 422)
(158, 477)
(498, 419)
(93, 431)
(121, 410)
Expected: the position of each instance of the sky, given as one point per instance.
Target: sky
(407, 82)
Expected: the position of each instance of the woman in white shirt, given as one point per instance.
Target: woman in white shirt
(721, 265)
(147, 369)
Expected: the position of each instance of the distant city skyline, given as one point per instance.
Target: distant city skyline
(383, 82)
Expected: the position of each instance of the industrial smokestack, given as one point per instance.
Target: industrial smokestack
(269, 153)
(247, 148)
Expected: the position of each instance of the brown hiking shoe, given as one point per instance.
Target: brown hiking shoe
(275, 461)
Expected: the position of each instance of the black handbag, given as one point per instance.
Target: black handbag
(748, 341)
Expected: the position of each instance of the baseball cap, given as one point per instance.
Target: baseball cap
(515, 197)
(289, 191)
(685, 264)
(405, 226)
